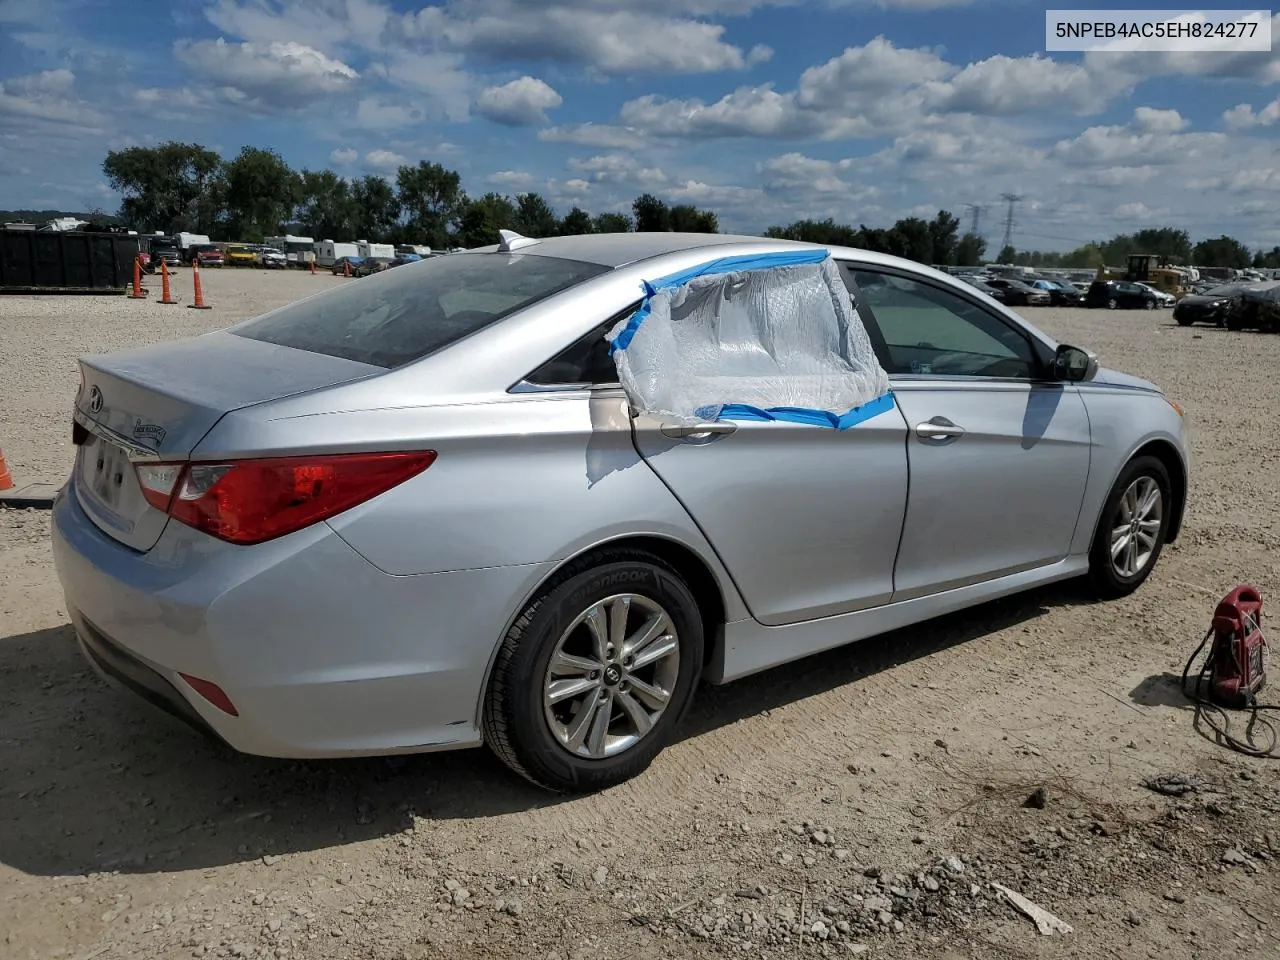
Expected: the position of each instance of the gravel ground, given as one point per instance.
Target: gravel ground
(862, 802)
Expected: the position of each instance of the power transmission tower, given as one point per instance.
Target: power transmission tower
(1011, 199)
(976, 217)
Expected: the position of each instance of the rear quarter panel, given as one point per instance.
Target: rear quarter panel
(1122, 420)
(524, 479)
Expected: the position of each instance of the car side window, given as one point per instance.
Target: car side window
(930, 331)
(586, 360)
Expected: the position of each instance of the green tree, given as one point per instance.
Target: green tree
(912, 238)
(1007, 255)
(1222, 251)
(817, 231)
(612, 223)
(325, 207)
(534, 216)
(261, 193)
(163, 186)
(970, 250)
(576, 221)
(1089, 256)
(374, 209)
(652, 215)
(944, 230)
(687, 218)
(431, 200)
(481, 220)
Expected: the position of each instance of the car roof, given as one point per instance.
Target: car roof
(620, 249)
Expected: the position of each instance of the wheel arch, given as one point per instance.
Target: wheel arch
(708, 592)
(1167, 454)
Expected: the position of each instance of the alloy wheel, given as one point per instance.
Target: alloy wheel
(611, 675)
(1135, 530)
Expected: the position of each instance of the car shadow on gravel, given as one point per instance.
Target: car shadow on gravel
(96, 780)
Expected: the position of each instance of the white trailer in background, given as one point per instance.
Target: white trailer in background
(378, 251)
(328, 252)
(299, 251)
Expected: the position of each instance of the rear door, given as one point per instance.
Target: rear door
(998, 455)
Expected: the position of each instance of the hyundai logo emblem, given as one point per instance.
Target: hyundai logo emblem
(95, 400)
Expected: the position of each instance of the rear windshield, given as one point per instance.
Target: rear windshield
(398, 316)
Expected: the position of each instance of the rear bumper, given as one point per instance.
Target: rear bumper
(321, 653)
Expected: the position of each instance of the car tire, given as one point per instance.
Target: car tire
(535, 736)
(1114, 577)
(1113, 303)
(1182, 321)
(1149, 304)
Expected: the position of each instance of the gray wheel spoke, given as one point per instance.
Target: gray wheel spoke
(582, 723)
(1120, 543)
(596, 622)
(653, 628)
(561, 690)
(618, 611)
(662, 647)
(1129, 504)
(652, 696)
(600, 725)
(1150, 497)
(567, 665)
(636, 713)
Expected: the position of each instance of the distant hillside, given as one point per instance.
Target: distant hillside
(43, 216)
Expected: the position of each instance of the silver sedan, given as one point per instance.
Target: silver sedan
(418, 512)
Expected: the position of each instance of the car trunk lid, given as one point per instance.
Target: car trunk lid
(156, 403)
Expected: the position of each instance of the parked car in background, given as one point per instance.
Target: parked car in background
(1209, 306)
(165, 249)
(1163, 298)
(272, 259)
(207, 254)
(1019, 294)
(346, 263)
(1120, 295)
(369, 265)
(1060, 294)
(421, 513)
(401, 259)
(240, 255)
(978, 284)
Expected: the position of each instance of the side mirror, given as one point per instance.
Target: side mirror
(1074, 364)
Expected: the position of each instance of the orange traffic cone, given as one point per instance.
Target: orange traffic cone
(199, 291)
(40, 496)
(136, 293)
(313, 268)
(165, 295)
(346, 268)
(6, 478)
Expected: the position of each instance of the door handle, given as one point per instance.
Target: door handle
(694, 431)
(939, 430)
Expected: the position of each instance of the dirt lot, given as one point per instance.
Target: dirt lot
(861, 802)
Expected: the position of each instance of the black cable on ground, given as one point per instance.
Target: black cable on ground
(1212, 716)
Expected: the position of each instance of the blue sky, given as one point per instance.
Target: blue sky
(763, 110)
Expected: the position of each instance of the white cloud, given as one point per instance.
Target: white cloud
(511, 179)
(276, 74)
(618, 168)
(576, 185)
(344, 156)
(43, 99)
(1133, 145)
(1243, 116)
(442, 77)
(1262, 67)
(1003, 86)
(520, 103)
(602, 135)
(1151, 120)
(796, 172)
(377, 113)
(386, 161)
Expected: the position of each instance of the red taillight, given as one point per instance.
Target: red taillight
(249, 501)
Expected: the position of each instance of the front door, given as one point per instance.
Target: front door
(998, 454)
(806, 519)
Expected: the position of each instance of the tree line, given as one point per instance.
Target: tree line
(179, 186)
(186, 187)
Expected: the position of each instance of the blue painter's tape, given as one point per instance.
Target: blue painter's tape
(808, 415)
(760, 261)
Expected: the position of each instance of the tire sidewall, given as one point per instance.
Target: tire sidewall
(538, 748)
(1100, 555)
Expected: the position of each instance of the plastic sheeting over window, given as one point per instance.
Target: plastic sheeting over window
(767, 337)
